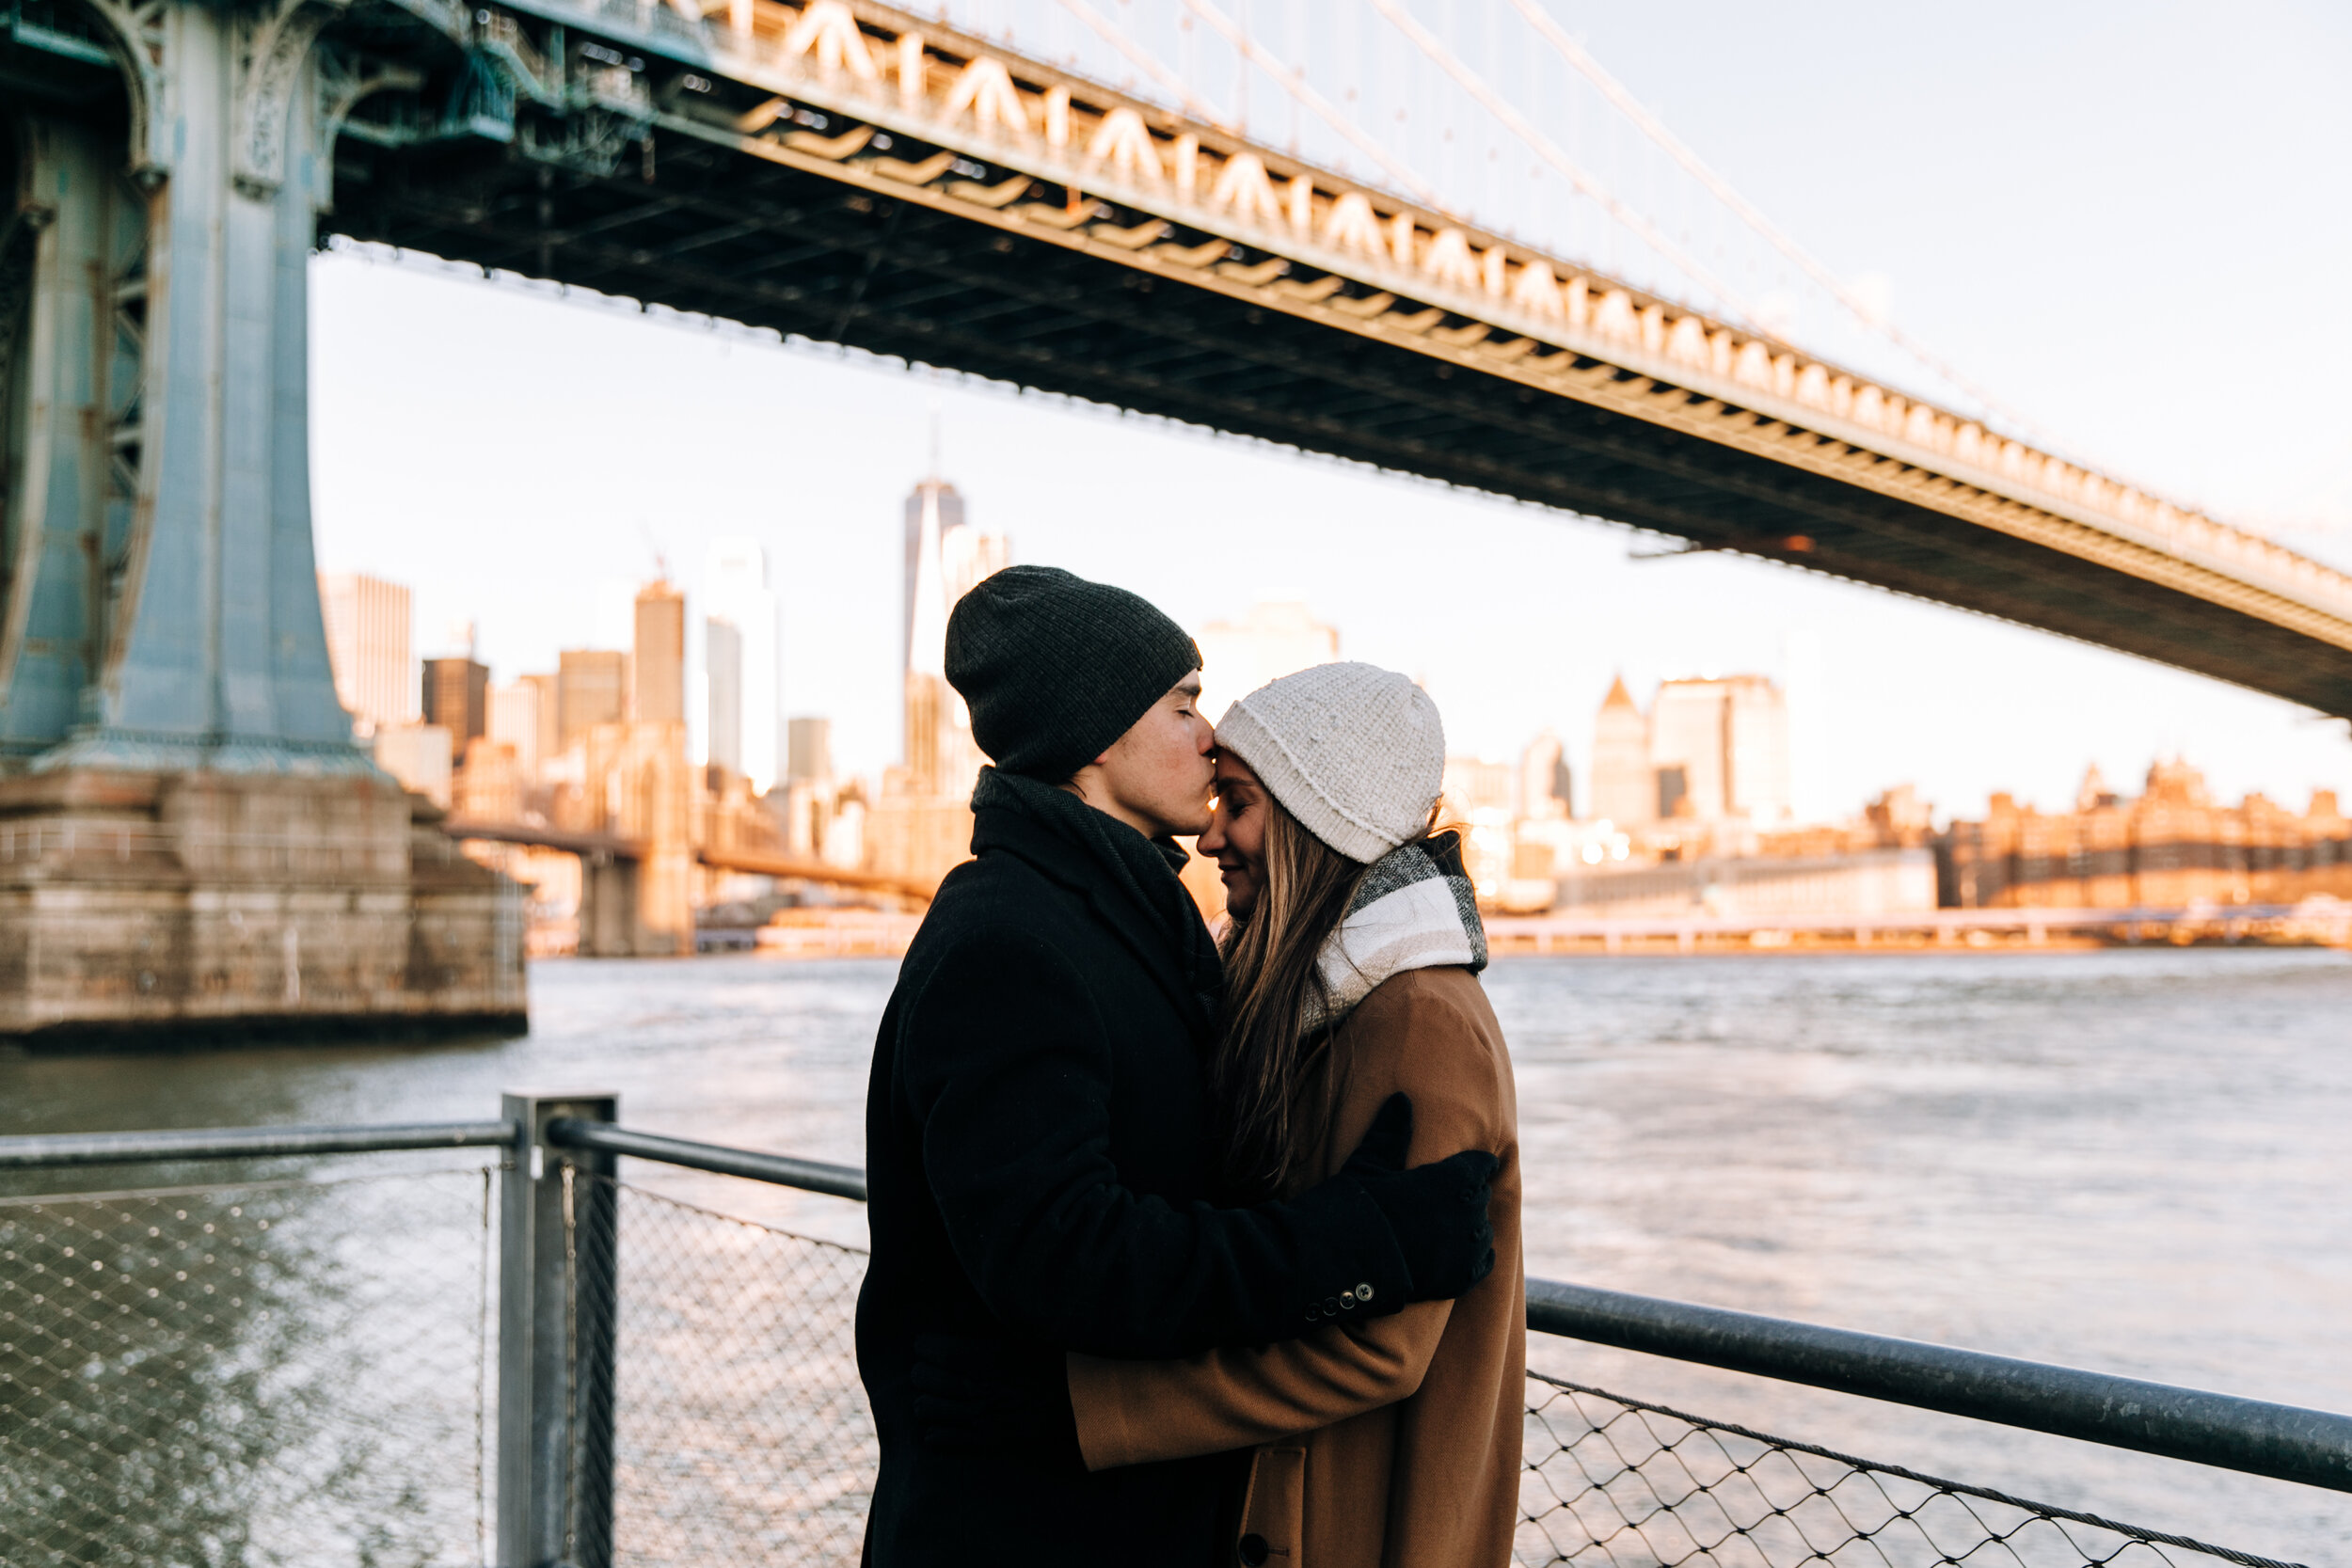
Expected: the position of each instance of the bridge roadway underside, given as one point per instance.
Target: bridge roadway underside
(701, 227)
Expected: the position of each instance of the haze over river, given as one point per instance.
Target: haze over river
(2135, 1160)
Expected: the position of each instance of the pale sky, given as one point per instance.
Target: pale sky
(2126, 220)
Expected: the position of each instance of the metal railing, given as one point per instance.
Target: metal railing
(298, 1370)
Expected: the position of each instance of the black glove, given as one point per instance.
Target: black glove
(994, 1396)
(1437, 1211)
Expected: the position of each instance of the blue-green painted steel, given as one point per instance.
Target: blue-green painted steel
(163, 612)
(73, 373)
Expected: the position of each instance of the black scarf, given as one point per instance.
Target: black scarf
(1144, 869)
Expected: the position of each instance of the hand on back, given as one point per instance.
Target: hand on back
(1438, 1210)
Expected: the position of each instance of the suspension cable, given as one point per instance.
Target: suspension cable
(1582, 60)
(1110, 33)
(1294, 81)
(1495, 105)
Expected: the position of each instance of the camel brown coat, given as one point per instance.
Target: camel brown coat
(1391, 1443)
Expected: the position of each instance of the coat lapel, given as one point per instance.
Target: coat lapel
(1070, 866)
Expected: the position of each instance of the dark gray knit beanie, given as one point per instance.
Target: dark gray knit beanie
(1055, 667)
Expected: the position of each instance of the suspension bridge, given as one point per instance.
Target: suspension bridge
(854, 174)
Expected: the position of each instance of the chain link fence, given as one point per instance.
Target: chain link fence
(244, 1376)
(742, 1434)
(304, 1372)
(1615, 1482)
(741, 1431)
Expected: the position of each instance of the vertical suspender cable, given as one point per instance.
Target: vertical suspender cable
(1149, 64)
(1652, 127)
(1294, 81)
(1444, 59)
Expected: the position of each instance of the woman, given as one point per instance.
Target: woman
(1351, 965)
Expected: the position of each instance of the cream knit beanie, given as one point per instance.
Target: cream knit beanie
(1356, 752)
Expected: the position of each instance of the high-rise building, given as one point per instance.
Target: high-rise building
(945, 557)
(591, 687)
(514, 721)
(457, 698)
(1271, 641)
(1622, 790)
(740, 635)
(1686, 750)
(722, 671)
(812, 751)
(1758, 778)
(1544, 792)
(966, 555)
(368, 637)
(1713, 749)
(549, 715)
(936, 501)
(658, 685)
(1475, 785)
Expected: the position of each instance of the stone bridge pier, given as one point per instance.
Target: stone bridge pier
(633, 907)
(189, 838)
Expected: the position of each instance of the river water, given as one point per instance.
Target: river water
(2134, 1160)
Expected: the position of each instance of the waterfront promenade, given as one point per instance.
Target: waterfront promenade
(2123, 1160)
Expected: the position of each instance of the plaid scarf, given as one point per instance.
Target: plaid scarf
(1413, 910)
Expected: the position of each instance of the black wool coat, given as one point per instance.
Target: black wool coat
(1036, 1152)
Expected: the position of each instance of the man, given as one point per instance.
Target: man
(1037, 1123)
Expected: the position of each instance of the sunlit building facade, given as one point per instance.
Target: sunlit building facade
(740, 633)
(1273, 639)
(370, 629)
(1711, 750)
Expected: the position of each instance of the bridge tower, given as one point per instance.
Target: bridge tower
(187, 831)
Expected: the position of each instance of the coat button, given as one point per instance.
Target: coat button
(1254, 1549)
(1330, 1306)
(1363, 1291)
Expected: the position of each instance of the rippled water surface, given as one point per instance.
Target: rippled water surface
(2138, 1161)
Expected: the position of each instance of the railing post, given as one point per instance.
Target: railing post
(558, 1278)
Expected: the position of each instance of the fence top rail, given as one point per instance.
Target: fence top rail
(245, 1143)
(782, 1170)
(2284, 1441)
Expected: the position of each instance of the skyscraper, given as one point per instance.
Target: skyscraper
(547, 686)
(368, 637)
(1544, 792)
(1758, 781)
(658, 685)
(591, 687)
(723, 668)
(1711, 747)
(933, 500)
(457, 698)
(514, 721)
(740, 635)
(1686, 749)
(945, 557)
(812, 749)
(1622, 790)
(1273, 639)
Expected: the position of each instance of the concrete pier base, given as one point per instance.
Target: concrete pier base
(160, 908)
